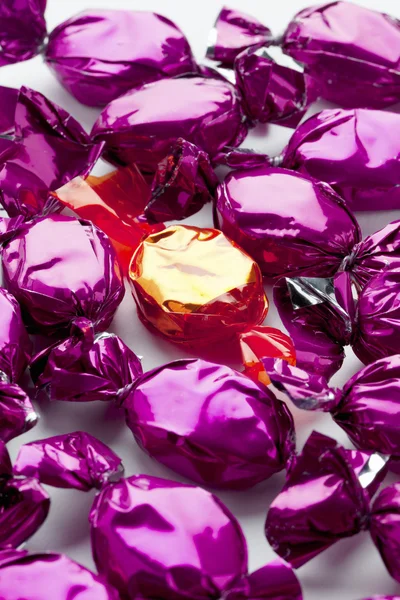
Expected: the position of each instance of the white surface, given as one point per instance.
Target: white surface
(352, 568)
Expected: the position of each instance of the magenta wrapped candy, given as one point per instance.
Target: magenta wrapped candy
(49, 577)
(64, 273)
(292, 224)
(154, 538)
(22, 29)
(37, 129)
(233, 32)
(183, 182)
(366, 408)
(143, 124)
(325, 499)
(324, 315)
(352, 67)
(98, 55)
(218, 428)
(24, 504)
(16, 411)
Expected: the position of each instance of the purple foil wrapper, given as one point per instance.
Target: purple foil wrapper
(22, 29)
(24, 504)
(8, 103)
(274, 88)
(142, 125)
(326, 499)
(366, 408)
(40, 129)
(322, 316)
(75, 371)
(292, 224)
(352, 67)
(355, 151)
(233, 32)
(74, 460)
(183, 182)
(49, 577)
(98, 55)
(218, 428)
(64, 274)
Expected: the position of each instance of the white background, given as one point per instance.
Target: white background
(350, 570)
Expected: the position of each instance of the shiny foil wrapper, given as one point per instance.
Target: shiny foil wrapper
(98, 55)
(323, 316)
(365, 408)
(141, 126)
(65, 276)
(355, 151)
(22, 29)
(202, 299)
(73, 460)
(274, 88)
(49, 576)
(179, 541)
(327, 497)
(352, 67)
(218, 427)
(17, 414)
(78, 372)
(36, 128)
(233, 32)
(24, 504)
(293, 225)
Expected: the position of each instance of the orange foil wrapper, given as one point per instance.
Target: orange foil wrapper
(196, 287)
(115, 203)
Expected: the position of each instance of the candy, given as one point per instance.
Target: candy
(202, 301)
(63, 286)
(24, 504)
(156, 538)
(96, 55)
(16, 411)
(366, 407)
(49, 577)
(325, 499)
(140, 126)
(36, 129)
(218, 427)
(323, 315)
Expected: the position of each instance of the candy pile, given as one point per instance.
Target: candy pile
(167, 123)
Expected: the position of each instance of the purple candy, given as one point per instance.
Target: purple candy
(183, 182)
(49, 577)
(64, 273)
(274, 88)
(352, 67)
(142, 125)
(22, 29)
(366, 408)
(78, 372)
(154, 538)
(322, 316)
(326, 499)
(24, 504)
(233, 32)
(98, 55)
(218, 428)
(355, 151)
(39, 129)
(8, 103)
(294, 225)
